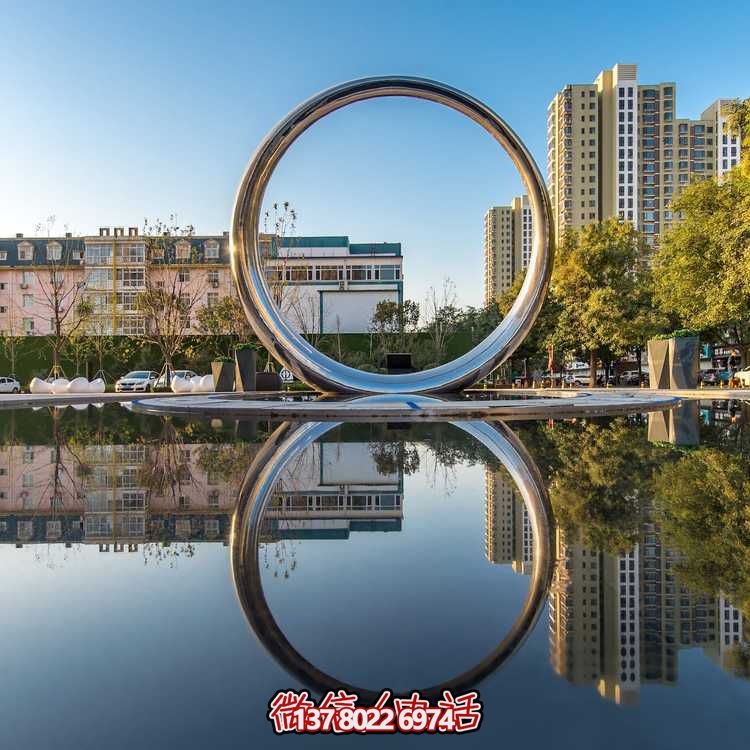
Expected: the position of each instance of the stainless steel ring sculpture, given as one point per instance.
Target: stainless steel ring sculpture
(256, 493)
(290, 348)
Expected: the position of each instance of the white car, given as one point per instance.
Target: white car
(9, 385)
(138, 380)
(743, 376)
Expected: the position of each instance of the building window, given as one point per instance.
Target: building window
(184, 275)
(211, 248)
(212, 298)
(28, 325)
(130, 277)
(28, 300)
(132, 252)
(54, 251)
(213, 278)
(25, 251)
(98, 254)
(182, 249)
(131, 325)
(329, 273)
(299, 273)
(387, 273)
(99, 278)
(359, 273)
(125, 301)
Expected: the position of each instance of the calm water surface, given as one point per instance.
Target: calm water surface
(146, 591)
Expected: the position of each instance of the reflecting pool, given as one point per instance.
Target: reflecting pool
(163, 578)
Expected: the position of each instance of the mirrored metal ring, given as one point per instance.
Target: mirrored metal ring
(247, 531)
(290, 348)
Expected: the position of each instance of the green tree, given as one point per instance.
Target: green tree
(168, 302)
(598, 271)
(225, 325)
(65, 310)
(739, 121)
(647, 318)
(702, 268)
(80, 347)
(394, 326)
(9, 347)
(534, 346)
(441, 319)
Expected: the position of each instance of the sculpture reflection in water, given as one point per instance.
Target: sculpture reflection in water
(256, 500)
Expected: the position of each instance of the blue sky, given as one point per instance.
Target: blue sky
(116, 112)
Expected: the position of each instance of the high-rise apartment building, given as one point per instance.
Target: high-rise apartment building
(616, 148)
(507, 246)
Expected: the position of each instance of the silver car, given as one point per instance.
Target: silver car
(137, 380)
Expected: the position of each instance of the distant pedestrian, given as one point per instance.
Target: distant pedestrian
(732, 363)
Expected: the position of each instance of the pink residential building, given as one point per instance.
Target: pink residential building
(326, 284)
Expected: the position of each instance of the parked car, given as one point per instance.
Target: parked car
(632, 378)
(138, 380)
(577, 380)
(714, 377)
(162, 381)
(743, 376)
(9, 385)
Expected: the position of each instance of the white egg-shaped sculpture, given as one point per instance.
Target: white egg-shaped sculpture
(79, 407)
(78, 385)
(181, 385)
(195, 383)
(37, 385)
(60, 385)
(97, 386)
(207, 383)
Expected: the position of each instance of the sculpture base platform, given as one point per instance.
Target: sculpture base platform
(516, 406)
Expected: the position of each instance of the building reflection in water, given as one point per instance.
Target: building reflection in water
(619, 621)
(615, 622)
(332, 489)
(509, 538)
(122, 496)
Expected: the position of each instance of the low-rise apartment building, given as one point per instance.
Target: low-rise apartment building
(323, 284)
